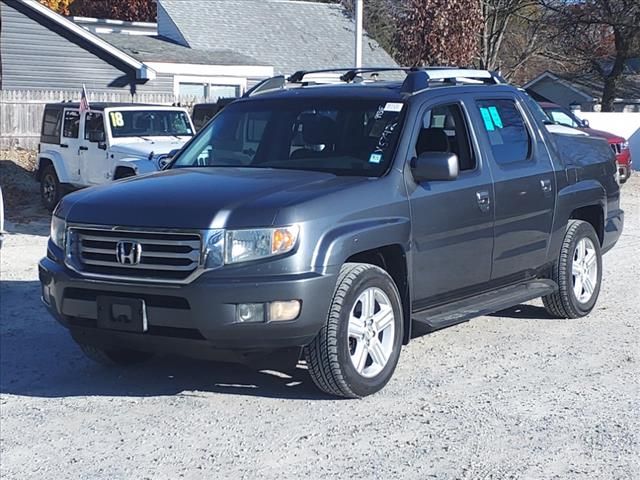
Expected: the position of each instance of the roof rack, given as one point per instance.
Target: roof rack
(418, 78)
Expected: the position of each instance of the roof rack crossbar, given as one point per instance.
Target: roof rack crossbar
(418, 78)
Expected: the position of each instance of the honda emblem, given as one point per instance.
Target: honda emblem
(128, 253)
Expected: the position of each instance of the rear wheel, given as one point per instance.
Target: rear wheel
(114, 357)
(357, 350)
(50, 191)
(578, 273)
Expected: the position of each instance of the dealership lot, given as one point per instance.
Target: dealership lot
(511, 395)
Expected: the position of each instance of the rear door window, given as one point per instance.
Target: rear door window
(51, 126)
(506, 129)
(71, 126)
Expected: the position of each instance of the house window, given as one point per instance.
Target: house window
(222, 91)
(209, 89)
(197, 90)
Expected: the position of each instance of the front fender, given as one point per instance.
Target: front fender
(58, 163)
(141, 166)
(345, 240)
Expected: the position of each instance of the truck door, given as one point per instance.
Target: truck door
(70, 143)
(452, 220)
(93, 154)
(525, 186)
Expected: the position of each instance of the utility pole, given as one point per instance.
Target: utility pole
(359, 32)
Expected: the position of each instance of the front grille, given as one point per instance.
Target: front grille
(156, 331)
(165, 256)
(617, 148)
(158, 301)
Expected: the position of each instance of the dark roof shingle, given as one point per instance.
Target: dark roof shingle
(159, 49)
(290, 35)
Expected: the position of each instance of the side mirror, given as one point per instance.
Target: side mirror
(166, 161)
(585, 123)
(96, 136)
(102, 146)
(435, 166)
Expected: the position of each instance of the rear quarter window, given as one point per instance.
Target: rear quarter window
(506, 129)
(51, 126)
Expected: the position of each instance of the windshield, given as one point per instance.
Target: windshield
(561, 117)
(340, 136)
(149, 123)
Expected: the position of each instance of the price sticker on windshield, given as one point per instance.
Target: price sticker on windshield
(117, 120)
(393, 107)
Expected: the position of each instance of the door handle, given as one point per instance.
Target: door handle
(64, 145)
(484, 200)
(545, 184)
(84, 149)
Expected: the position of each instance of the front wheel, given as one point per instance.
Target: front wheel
(578, 273)
(357, 350)
(50, 190)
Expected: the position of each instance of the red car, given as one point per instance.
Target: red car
(619, 145)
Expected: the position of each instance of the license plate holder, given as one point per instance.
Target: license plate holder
(124, 314)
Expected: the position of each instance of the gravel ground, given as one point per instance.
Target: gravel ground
(512, 395)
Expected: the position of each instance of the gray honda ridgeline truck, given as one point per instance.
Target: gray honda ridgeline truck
(326, 218)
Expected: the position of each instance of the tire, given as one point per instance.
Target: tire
(573, 272)
(347, 357)
(114, 357)
(50, 190)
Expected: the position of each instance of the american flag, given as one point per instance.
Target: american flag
(84, 100)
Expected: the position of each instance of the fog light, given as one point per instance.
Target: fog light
(250, 312)
(283, 311)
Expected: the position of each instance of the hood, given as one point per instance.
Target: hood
(145, 147)
(610, 137)
(197, 198)
(557, 128)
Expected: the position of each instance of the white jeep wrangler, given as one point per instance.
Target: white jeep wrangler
(108, 142)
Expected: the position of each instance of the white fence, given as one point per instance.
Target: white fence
(625, 124)
(21, 110)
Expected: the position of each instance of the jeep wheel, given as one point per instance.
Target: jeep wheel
(50, 191)
(114, 357)
(357, 350)
(578, 273)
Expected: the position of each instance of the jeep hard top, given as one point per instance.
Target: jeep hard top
(107, 142)
(330, 219)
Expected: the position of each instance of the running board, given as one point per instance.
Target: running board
(453, 313)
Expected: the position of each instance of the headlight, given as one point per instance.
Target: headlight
(58, 231)
(245, 245)
(213, 249)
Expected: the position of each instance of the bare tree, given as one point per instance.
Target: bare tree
(516, 35)
(438, 32)
(600, 36)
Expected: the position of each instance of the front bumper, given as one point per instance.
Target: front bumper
(190, 319)
(624, 172)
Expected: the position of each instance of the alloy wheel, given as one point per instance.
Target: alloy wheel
(371, 332)
(584, 270)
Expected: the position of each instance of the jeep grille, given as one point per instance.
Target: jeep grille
(162, 256)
